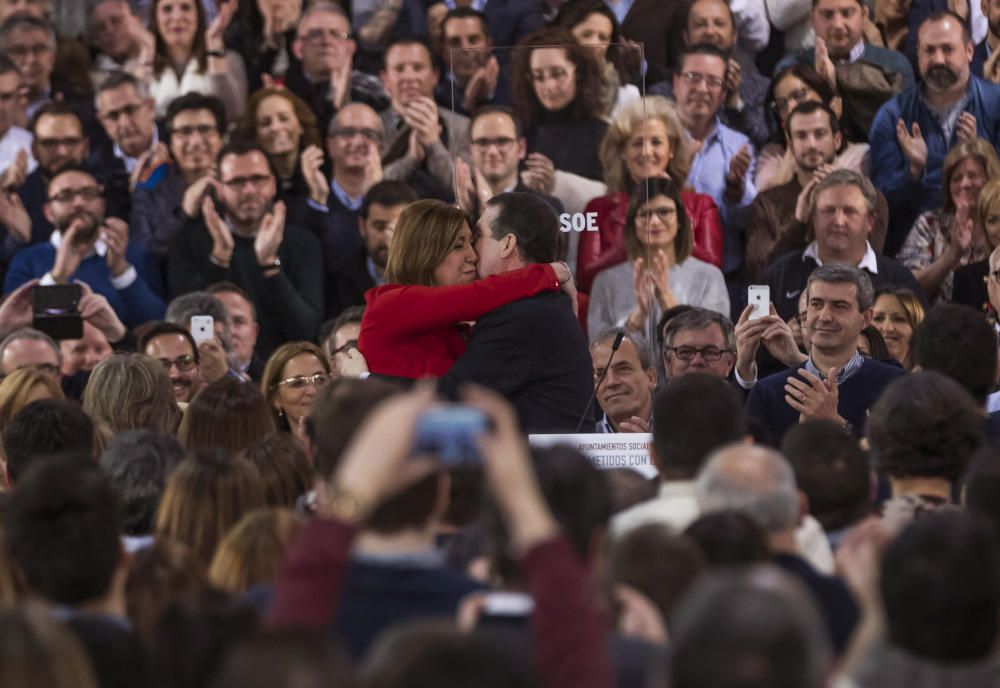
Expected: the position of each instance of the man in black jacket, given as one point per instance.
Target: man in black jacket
(533, 351)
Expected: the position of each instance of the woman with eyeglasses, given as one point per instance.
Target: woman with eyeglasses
(556, 86)
(283, 125)
(416, 324)
(292, 378)
(645, 140)
(947, 238)
(179, 54)
(896, 314)
(594, 25)
(972, 281)
(790, 87)
(661, 272)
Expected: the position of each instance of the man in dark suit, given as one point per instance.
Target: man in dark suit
(533, 351)
(511, 20)
(365, 268)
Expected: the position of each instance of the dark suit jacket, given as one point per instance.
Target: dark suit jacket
(534, 352)
(511, 20)
(657, 25)
(969, 288)
(347, 286)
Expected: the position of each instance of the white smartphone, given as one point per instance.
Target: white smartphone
(202, 328)
(759, 296)
(508, 604)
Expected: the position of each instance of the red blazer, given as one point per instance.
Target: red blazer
(414, 331)
(606, 247)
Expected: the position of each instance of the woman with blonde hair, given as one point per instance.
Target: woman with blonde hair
(205, 496)
(646, 140)
(971, 280)
(951, 236)
(292, 378)
(22, 387)
(251, 553)
(130, 392)
(413, 324)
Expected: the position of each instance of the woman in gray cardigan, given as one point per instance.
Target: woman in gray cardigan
(661, 272)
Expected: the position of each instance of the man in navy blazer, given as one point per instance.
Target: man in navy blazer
(533, 351)
(836, 382)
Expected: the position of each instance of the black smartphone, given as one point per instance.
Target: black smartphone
(56, 310)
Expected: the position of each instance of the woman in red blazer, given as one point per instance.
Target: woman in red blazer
(417, 325)
(646, 140)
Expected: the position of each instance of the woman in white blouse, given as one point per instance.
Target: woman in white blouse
(180, 55)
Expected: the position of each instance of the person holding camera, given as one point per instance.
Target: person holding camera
(89, 247)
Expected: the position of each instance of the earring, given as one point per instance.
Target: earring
(281, 412)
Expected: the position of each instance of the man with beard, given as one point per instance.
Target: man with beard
(245, 241)
(58, 141)
(365, 269)
(778, 216)
(174, 347)
(914, 131)
(88, 247)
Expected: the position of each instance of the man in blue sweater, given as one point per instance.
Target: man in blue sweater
(88, 247)
(913, 132)
(835, 382)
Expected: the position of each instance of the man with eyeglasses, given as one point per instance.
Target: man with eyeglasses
(864, 75)
(626, 390)
(132, 153)
(87, 246)
(325, 77)
(723, 164)
(174, 347)
(698, 341)
(194, 126)
(242, 237)
(422, 140)
(58, 141)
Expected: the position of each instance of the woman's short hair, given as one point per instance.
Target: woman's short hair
(130, 392)
(228, 414)
(161, 59)
(643, 193)
(989, 204)
(206, 495)
(425, 233)
(251, 553)
(16, 388)
(586, 104)
(276, 364)
(284, 468)
(38, 651)
(908, 300)
(981, 151)
(246, 126)
(630, 118)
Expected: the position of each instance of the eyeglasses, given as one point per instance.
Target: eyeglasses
(38, 49)
(203, 130)
(65, 142)
(646, 214)
(502, 143)
(687, 353)
(124, 111)
(557, 74)
(351, 343)
(300, 382)
(714, 83)
(87, 193)
(184, 363)
(257, 181)
(351, 132)
(783, 104)
(317, 36)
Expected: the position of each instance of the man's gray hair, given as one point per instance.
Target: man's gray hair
(842, 273)
(642, 347)
(25, 22)
(699, 319)
(848, 178)
(752, 479)
(29, 333)
(181, 309)
(118, 79)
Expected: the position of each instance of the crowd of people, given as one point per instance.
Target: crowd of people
(293, 291)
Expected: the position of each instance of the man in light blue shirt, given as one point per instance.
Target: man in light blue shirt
(723, 162)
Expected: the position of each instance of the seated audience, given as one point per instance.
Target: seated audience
(22, 387)
(113, 43)
(698, 341)
(44, 428)
(243, 328)
(286, 470)
(627, 381)
(293, 377)
(252, 551)
(227, 414)
(339, 339)
(969, 287)
(81, 355)
(175, 349)
(896, 315)
(473, 77)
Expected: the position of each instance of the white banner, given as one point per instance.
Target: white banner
(607, 450)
